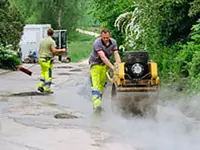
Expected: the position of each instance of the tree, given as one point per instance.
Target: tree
(11, 25)
(106, 12)
(61, 14)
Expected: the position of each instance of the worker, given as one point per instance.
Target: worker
(103, 48)
(47, 50)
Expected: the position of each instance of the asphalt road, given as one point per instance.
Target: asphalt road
(65, 119)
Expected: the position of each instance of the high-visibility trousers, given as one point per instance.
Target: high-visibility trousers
(46, 65)
(98, 80)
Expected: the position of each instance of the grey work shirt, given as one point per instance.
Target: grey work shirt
(99, 45)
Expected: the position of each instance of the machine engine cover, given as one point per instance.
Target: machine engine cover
(132, 57)
(136, 63)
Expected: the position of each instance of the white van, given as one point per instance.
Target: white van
(30, 40)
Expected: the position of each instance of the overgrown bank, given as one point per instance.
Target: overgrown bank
(80, 46)
(8, 59)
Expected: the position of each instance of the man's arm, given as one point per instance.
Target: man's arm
(117, 57)
(105, 59)
(54, 50)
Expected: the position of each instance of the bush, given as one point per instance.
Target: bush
(8, 60)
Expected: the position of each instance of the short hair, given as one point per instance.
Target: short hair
(50, 31)
(105, 31)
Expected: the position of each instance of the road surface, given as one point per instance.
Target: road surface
(65, 119)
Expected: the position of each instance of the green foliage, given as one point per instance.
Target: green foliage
(194, 64)
(190, 55)
(151, 24)
(76, 36)
(81, 47)
(27, 8)
(186, 63)
(11, 25)
(61, 14)
(195, 8)
(107, 12)
(8, 60)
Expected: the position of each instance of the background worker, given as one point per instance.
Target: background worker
(47, 50)
(103, 48)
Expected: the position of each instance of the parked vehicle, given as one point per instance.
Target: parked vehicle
(32, 57)
(60, 37)
(30, 40)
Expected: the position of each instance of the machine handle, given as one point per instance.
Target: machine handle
(109, 78)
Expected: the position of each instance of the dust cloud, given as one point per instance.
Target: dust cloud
(175, 127)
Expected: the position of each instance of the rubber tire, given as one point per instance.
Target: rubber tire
(114, 100)
(68, 60)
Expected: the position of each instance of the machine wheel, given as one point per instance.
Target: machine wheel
(68, 60)
(27, 60)
(151, 111)
(113, 99)
(115, 105)
(151, 108)
(113, 93)
(60, 58)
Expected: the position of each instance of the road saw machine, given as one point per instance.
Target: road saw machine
(135, 84)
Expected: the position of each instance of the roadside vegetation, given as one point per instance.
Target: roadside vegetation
(8, 59)
(80, 46)
(11, 25)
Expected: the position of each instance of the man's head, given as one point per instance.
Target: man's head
(50, 32)
(105, 35)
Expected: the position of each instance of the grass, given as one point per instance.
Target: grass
(80, 50)
(80, 46)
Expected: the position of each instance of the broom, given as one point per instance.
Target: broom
(21, 68)
(25, 70)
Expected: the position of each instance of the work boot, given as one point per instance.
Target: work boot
(41, 89)
(97, 104)
(100, 95)
(98, 109)
(48, 92)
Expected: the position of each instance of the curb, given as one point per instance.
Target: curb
(4, 71)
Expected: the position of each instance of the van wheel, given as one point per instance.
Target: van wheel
(68, 59)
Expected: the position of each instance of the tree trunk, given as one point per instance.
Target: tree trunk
(59, 17)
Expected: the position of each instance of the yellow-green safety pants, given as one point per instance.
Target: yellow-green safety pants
(46, 65)
(98, 80)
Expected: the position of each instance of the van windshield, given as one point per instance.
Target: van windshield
(56, 38)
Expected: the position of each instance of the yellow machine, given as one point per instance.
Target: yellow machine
(135, 83)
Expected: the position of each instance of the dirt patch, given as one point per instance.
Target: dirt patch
(67, 67)
(65, 116)
(75, 70)
(49, 109)
(96, 145)
(64, 73)
(48, 103)
(34, 93)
